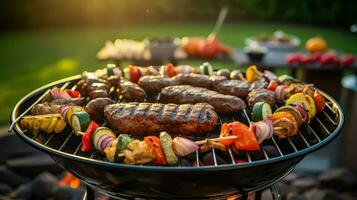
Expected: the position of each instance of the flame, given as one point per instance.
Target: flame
(69, 180)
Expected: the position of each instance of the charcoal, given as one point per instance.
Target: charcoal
(209, 160)
(304, 184)
(320, 194)
(5, 189)
(9, 177)
(271, 151)
(338, 179)
(185, 162)
(22, 192)
(44, 185)
(67, 193)
(295, 196)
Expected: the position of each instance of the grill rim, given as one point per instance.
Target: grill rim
(54, 152)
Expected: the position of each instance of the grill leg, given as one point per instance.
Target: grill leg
(89, 194)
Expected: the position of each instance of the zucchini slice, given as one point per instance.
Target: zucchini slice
(80, 121)
(305, 101)
(261, 111)
(98, 133)
(166, 143)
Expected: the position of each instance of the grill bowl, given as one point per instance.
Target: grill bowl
(215, 181)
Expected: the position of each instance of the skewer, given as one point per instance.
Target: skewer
(216, 139)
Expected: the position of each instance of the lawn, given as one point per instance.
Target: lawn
(30, 59)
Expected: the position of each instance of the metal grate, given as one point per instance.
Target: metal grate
(319, 129)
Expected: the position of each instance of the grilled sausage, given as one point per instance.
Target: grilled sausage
(261, 95)
(131, 91)
(182, 94)
(154, 84)
(152, 118)
(95, 108)
(233, 87)
(199, 80)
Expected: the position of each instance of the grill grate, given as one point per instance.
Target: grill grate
(318, 130)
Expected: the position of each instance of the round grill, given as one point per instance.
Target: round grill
(276, 158)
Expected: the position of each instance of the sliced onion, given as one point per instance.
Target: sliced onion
(281, 92)
(303, 112)
(57, 93)
(64, 109)
(263, 130)
(106, 142)
(98, 144)
(183, 146)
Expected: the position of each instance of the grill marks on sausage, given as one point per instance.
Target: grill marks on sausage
(152, 118)
(182, 94)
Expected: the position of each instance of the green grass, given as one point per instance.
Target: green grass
(29, 59)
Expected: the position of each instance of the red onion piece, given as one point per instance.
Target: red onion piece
(281, 93)
(64, 109)
(105, 142)
(98, 144)
(303, 112)
(183, 146)
(263, 130)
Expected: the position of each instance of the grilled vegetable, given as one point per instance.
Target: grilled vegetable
(155, 145)
(206, 68)
(226, 130)
(183, 146)
(272, 85)
(102, 138)
(252, 74)
(263, 130)
(122, 143)
(71, 110)
(261, 110)
(166, 143)
(47, 123)
(319, 101)
(281, 93)
(286, 79)
(80, 121)
(295, 112)
(138, 152)
(246, 137)
(168, 70)
(285, 123)
(305, 101)
(86, 138)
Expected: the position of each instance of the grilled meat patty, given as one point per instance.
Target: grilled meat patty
(152, 118)
(95, 108)
(261, 95)
(182, 94)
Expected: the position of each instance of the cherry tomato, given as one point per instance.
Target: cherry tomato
(134, 74)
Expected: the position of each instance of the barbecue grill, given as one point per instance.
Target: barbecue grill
(224, 176)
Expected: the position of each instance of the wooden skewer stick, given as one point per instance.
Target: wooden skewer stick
(278, 128)
(216, 139)
(80, 133)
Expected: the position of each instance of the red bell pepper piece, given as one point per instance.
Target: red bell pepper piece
(86, 138)
(226, 130)
(272, 85)
(135, 74)
(155, 145)
(246, 138)
(319, 101)
(74, 93)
